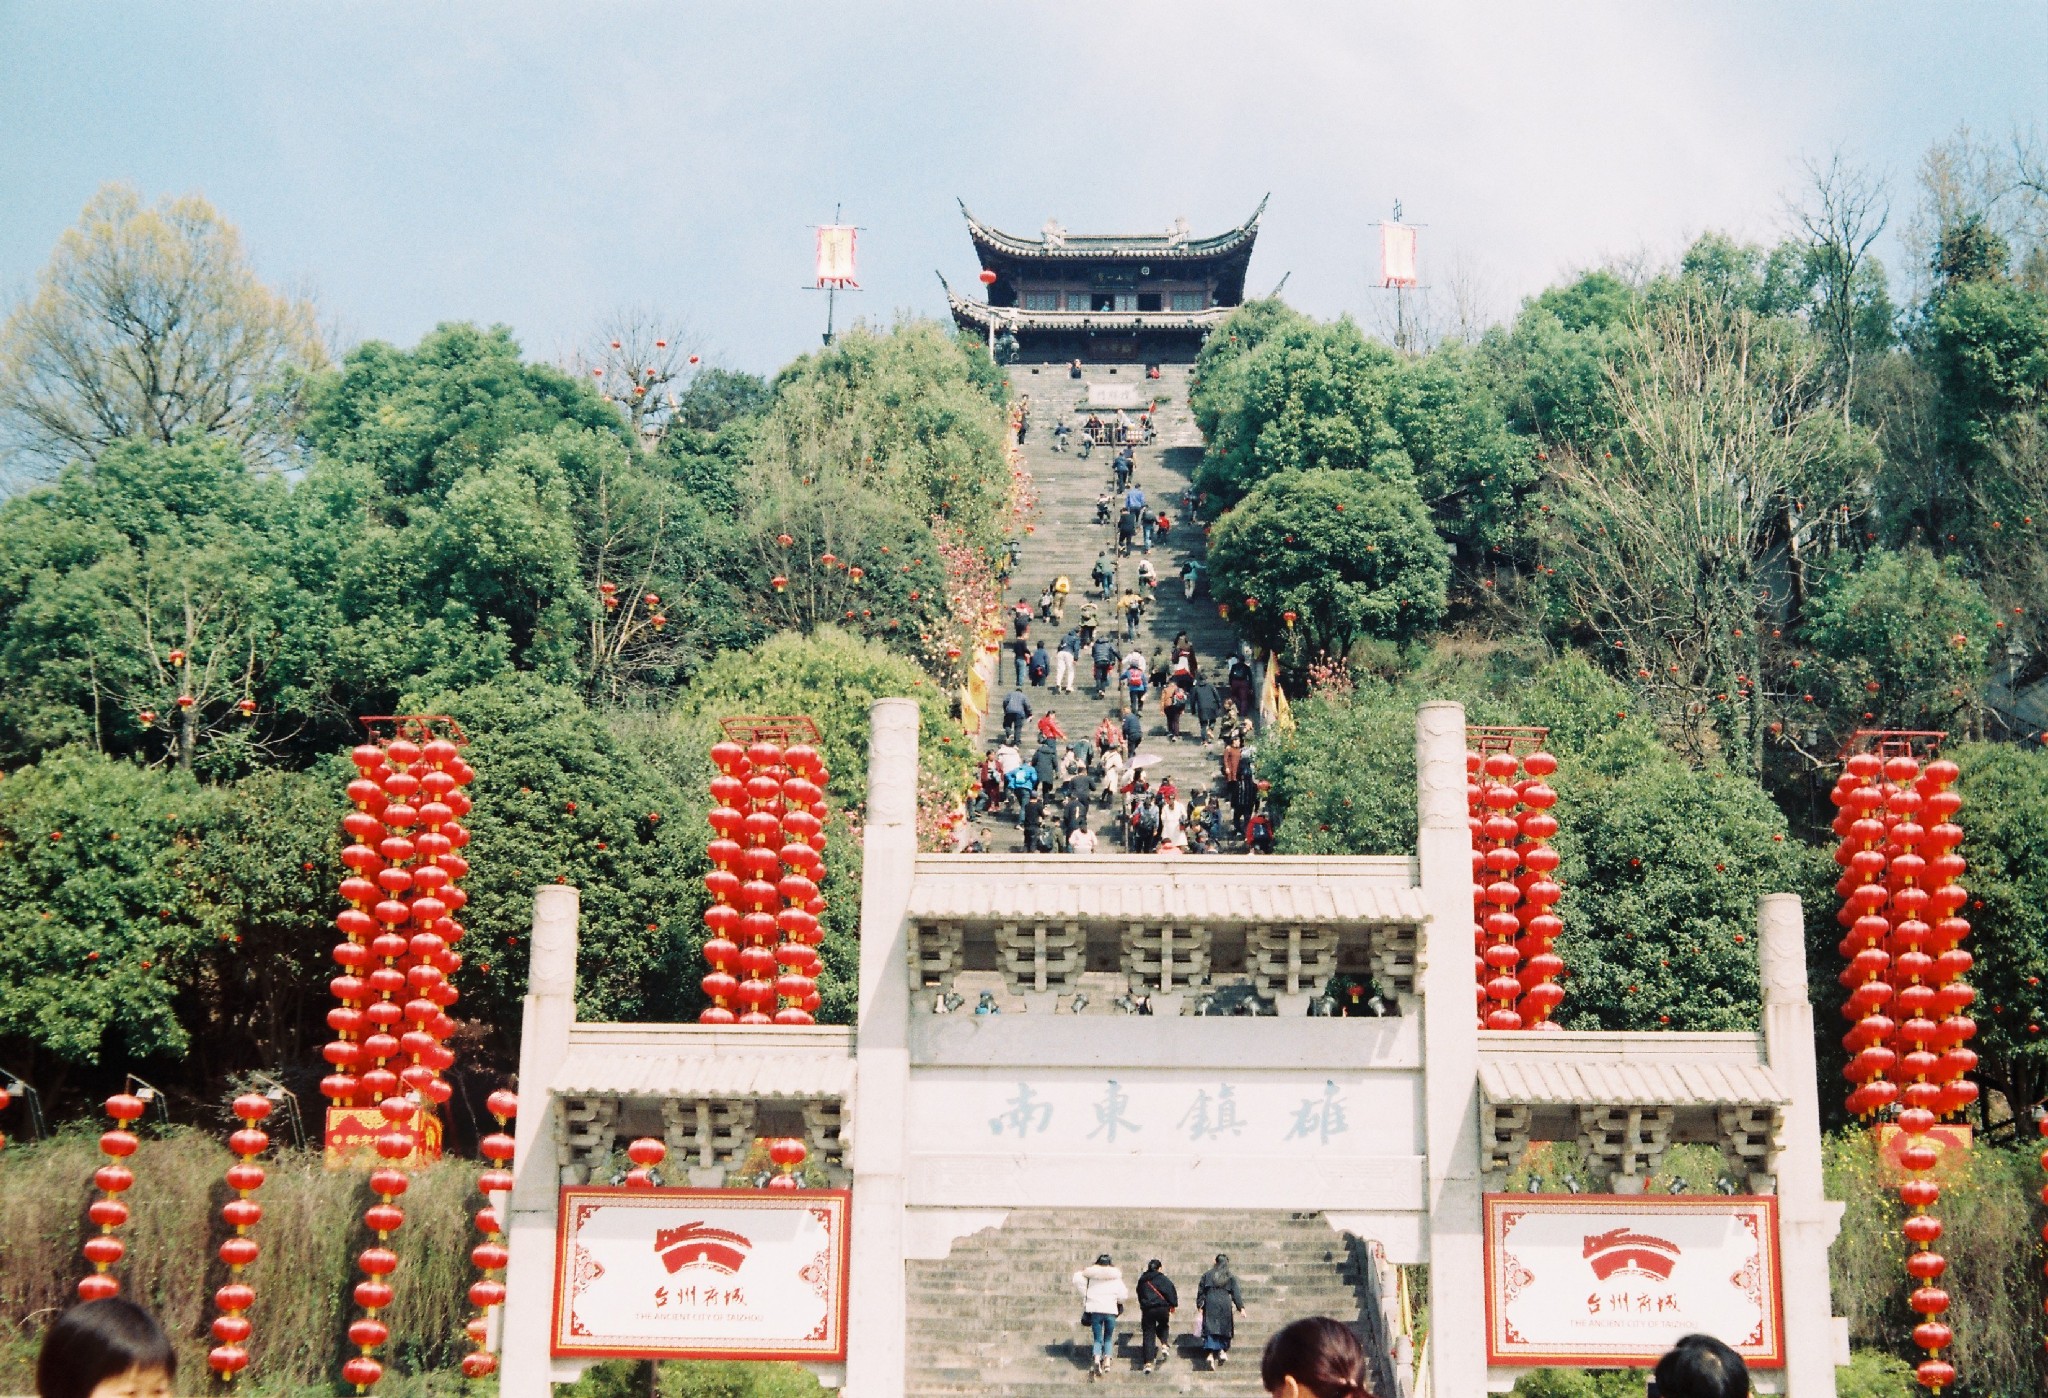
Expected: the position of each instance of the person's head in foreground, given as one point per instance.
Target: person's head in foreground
(105, 1349)
(1315, 1358)
(1700, 1366)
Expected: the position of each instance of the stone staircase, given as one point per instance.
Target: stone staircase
(999, 1316)
(1065, 540)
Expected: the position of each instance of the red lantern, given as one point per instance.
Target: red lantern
(987, 277)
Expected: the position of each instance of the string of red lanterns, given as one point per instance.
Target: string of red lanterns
(392, 1023)
(763, 919)
(374, 1292)
(112, 1179)
(4, 1100)
(1495, 857)
(1514, 885)
(491, 1255)
(1541, 926)
(1901, 906)
(231, 1327)
(1860, 823)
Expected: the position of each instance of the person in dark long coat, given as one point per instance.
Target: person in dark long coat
(1219, 1298)
(1207, 705)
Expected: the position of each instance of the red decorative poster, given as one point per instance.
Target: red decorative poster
(701, 1274)
(1614, 1280)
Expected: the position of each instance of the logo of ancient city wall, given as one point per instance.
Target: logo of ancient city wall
(700, 1245)
(1619, 1250)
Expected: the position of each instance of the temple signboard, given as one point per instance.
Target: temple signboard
(1605, 1280)
(701, 1274)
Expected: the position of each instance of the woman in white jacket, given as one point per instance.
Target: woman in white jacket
(1102, 1297)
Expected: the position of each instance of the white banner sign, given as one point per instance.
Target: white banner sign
(701, 1274)
(1397, 254)
(1604, 1280)
(835, 256)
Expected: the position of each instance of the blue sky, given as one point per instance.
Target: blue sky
(545, 164)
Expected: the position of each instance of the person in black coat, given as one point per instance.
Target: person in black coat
(1157, 1301)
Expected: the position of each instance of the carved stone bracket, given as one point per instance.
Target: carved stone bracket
(1749, 1144)
(1041, 958)
(589, 1131)
(1292, 960)
(1164, 959)
(936, 952)
(1503, 1136)
(1624, 1143)
(1396, 952)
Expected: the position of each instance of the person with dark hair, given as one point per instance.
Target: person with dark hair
(105, 1349)
(1700, 1366)
(1102, 1299)
(1219, 1298)
(1315, 1358)
(1157, 1301)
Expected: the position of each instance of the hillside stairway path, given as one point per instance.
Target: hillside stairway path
(1064, 541)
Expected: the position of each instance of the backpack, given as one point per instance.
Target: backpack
(1135, 678)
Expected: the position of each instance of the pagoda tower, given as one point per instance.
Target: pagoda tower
(1138, 297)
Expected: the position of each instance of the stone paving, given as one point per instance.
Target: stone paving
(1064, 540)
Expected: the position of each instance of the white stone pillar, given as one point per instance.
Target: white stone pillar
(877, 1314)
(1807, 1221)
(525, 1370)
(1450, 1059)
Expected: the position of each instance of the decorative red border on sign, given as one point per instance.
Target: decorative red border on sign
(833, 1208)
(1503, 1209)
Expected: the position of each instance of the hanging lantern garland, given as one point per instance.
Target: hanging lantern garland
(1908, 1043)
(1948, 928)
(1864, 896)
(769, 832)
(1541, 926)
(1500, 859)
(241, 1213)
(395, 1143)
(491, 1255)
(803, 830)
(112, 1179)
(4, 1100)
(392, 1024)
(402, 895)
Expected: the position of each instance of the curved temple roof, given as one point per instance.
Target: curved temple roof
(1172, 245)
(975, 315)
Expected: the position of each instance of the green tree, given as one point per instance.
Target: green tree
(884, 579)
(1663, 550)
(1473, 472)
(149, 324)
(905, 415)
(151, 581)
(1308, 396)
(96, 939)
(1902, 636)
(1553, 363)
(1352, 555)
(561, 799)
